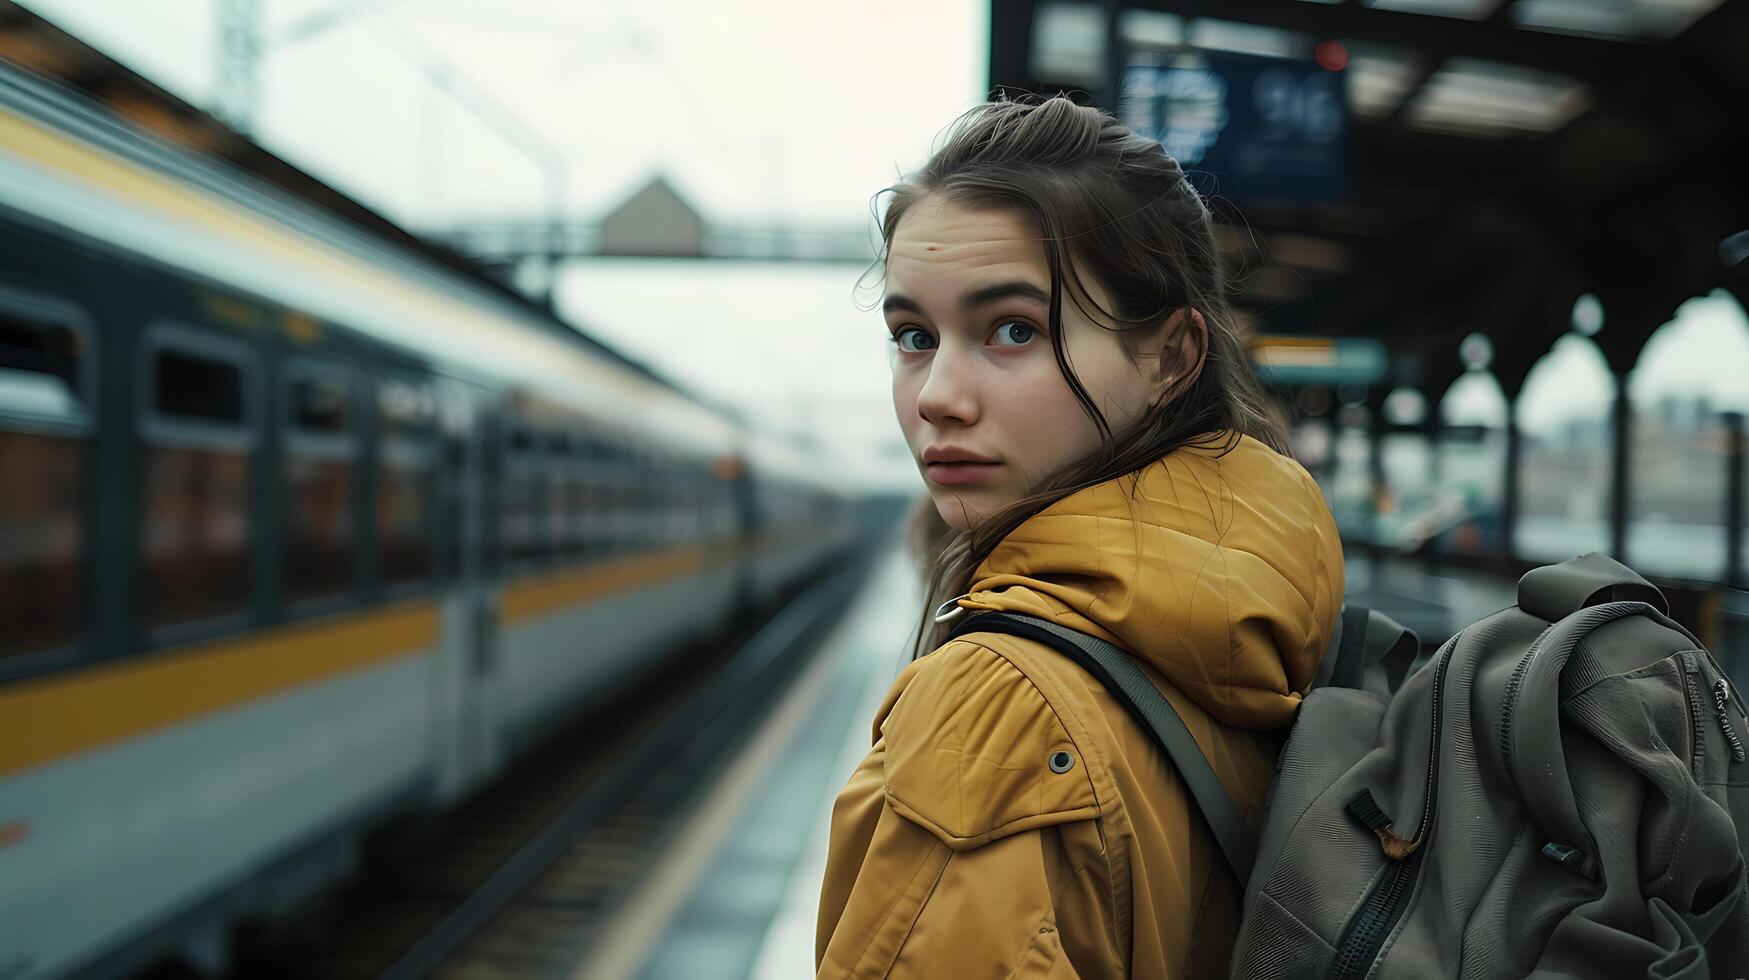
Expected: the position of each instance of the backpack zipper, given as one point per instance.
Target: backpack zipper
(1371, 925)
(1367, 931)
(1722, 697)
(1513, 686)
(1696, 729)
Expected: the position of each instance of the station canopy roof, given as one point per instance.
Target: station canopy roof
(1503, 158)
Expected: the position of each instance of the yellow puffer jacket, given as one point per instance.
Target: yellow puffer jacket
(957, 852)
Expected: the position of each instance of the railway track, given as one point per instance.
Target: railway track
(519, 880)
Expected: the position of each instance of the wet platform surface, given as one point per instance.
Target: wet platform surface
(737, 893)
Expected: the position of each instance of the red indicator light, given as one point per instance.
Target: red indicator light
(1331, 56)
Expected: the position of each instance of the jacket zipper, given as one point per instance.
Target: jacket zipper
(1367, 931)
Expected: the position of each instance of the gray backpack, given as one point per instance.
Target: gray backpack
(1559, 792)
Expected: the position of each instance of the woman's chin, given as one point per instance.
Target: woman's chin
(961, 511)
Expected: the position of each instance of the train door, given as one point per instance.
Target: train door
(467, 701)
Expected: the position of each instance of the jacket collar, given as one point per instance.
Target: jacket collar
(1220, 567)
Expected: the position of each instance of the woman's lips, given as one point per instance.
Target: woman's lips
(958, 474)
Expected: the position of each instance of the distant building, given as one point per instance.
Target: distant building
(655, 221)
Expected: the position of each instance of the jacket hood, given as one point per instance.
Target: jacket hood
(1219, 566)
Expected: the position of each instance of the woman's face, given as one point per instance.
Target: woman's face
(984, 406)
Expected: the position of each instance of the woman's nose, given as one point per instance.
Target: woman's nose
(949, 393)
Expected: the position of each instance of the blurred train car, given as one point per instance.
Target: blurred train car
(302, 528)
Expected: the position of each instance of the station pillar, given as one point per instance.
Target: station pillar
(1622, 426)
(1734, 476)
(1510, 375)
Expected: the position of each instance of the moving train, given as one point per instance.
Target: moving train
(304, 527)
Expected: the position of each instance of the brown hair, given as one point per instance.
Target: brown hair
(1116, 205)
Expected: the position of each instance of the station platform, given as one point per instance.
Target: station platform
(737, 894)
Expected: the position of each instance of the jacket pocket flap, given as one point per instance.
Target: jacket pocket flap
(975, 752)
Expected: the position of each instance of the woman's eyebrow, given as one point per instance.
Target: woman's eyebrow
(1005, 290)
(893, 302)
(1017, 289)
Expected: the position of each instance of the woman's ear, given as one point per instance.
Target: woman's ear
(1184, 348)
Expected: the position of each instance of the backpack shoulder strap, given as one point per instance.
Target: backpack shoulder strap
(1119, 673)
(1365, 637)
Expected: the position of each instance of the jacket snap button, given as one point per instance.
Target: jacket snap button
(1061, 762)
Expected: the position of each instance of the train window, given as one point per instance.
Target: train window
(41, 360)
(197, 387)
(523, 496)
(403, 525)
(405, 409)
(661, 492)
(577, 505)
(696, 517)
(320, 555)
(406, 413)
(319, 405)
(520, 498)
(44, 414)
(568, 476)
(198, 432)
(676, 528)
(556, 469)
(617, 500)
(590, 494)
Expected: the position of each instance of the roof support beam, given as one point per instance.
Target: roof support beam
(1011, 44)
(1590, 60)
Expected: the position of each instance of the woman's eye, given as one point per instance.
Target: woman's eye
(912, 339)
(1014, 332)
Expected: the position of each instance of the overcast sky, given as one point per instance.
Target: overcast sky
(796, 110)
(769, 110)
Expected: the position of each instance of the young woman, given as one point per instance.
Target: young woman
(1067, 374)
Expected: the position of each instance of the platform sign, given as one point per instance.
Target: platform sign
(1317, 360)
(1263, 128)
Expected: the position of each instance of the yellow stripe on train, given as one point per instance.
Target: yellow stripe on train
(63, 714)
